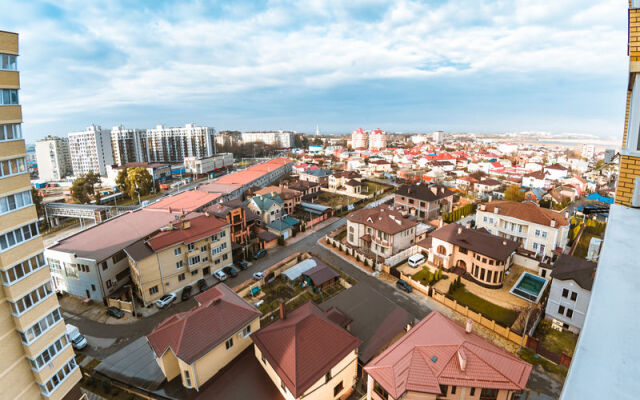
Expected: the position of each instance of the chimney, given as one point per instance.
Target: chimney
(434, 189)
(553, 223)
(283, 312)
(469, 325)
(441, 222)
(462, 359)
(459, 230)
(467, 225)
(186, 224)
(496, 210)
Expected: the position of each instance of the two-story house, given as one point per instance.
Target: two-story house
(556, 171)
(536, 229)
(196, 344)
(487, 186)
(536, 180)
(269, 207)
(570, 292)
(290, 198)
(425, 202)
(319, 176)
(439, 359)
(180, 254)
(242, 222)
(347, 182)
(380, 230)
(308, 355)
(484, 256)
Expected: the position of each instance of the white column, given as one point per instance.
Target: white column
(369, 386)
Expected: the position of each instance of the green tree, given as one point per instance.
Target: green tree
(37, 202)
(139, 181)
(121, 181)
(84, 187)
(513, 193)
(317, 142)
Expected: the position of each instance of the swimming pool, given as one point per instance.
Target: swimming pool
(529, 287)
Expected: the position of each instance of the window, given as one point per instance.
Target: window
(222, 234)
(473, 392)
(224, 256)
(187, 378)
(15, 237)
(49, 353)
(83, 268)
(489, 275)
(25, 268)
(264, 360)
(537, 232)
(453, 390)
(489, 394)
(10, 132)
(57, 379)
(203, 248)
(462, 250)
(490, 262)
(93, 287)
(327, 377)
(8, 62)
(535, 245)
(246, 331)
(9, 97)
(179, 264)
(40, 327)
(574, 296)
(337, 389)
(214, 237)
(444, 389)
(544, 234)
(119, 256)
(177, 251)
(484, 219)
(561, 310)
(31, 299)
(229, 343)
(481, 274)
(484, 260)
(181, 277)
(194, 272)
(109, 284)
(194, 260)
(569, 313)
(104, 265)
(191, 247)
(565, 293)
(15, 201)
(153, 290)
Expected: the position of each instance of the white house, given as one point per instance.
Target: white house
(556, 171)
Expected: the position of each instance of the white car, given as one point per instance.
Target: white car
(258, 275)
(221, 276)
(165, 300)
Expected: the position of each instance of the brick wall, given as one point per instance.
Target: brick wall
(629, 170)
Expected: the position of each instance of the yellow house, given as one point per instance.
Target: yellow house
(308, 355)
(197, 344)
(179, 255)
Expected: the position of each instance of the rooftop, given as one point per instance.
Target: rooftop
(191, 200)
(188, 230)
(383, 219)
(526, 211)
(477, 240)
(579, 270)
(424, 192)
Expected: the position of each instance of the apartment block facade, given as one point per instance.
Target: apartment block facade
(37, 358)
(90, 150)
(128, 146)
(52, 156)
(284, 139)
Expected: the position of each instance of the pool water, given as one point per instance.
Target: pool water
(529, 287)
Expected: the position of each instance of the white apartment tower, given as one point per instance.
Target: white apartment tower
(284, 139)
(438, 137)
(90, 150)
(127, 145)
(359, 139)
(172, 145)
(52, 156)
(377, 139)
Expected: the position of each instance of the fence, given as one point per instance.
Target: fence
(359, 256)
(490, 324)
(401, 256)
(121, 304)
(245, 287)
(562, 358)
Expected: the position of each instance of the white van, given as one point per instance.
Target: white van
(416, 260)
(78, 341)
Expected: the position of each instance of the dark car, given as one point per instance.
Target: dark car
(186, 293)
(115, 312)
(230, 271)
(242, 264)
(202, 285)
(404, 286)
(259, 254)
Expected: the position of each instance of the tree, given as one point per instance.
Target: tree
(84, 187)
(139, 181)
(513, 193)
(317, 141)
(121, 181)
(37, 202)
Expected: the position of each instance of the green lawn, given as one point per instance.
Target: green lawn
(531, 357)
(556, 341)
(425, 276)
(583, 245)
(503, 316)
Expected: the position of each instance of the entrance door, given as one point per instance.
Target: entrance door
(206, 271)
(88, 294)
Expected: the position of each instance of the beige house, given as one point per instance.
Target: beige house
(196, 344)
(308, 355)
(179, 255)
(381, 230)
(345, 182)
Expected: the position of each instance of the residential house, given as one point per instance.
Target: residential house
(242, 222)
(536, 179)
(534, 195)
(307, 188)
(268, 207)
(466, 183)
(562, 193)
(180, 254)
(382, 231)
(290, 197)
(570, 292)
(576, 181)
(308, 355)
(486, 186)
(484, 257)
(556, 171)
(319, 176)
(438, 359)
(196, 344)
(346, 182)
(536, 229)
(425, 202)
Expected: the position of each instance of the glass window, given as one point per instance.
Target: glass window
(8, 62)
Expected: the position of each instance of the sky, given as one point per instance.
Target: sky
(403, 66)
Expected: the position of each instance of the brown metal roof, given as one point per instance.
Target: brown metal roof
(527, 212)
(383, 218)
(577, 269)
(424, 192)
(479, 241)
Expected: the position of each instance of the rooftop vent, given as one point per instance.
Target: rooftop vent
(434, 358)
(462, 359)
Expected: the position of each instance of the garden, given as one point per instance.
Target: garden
(503, 316)
(554, 340)
(428, 278)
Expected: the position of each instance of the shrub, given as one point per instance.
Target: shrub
(366, 262)
(303, 228)
(92, 381)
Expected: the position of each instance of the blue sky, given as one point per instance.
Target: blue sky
(464, 66)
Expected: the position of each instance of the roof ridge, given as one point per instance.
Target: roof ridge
(486, 363)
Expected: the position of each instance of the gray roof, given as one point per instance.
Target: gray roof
(321, 273)
(577, 269)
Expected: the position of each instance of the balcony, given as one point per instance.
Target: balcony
(10, 114)
(13, 149)
(54, 365)
(26, 284)
(9, 80)
(36, 347)
(35, 313)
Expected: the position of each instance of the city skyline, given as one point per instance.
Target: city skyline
(406, 66)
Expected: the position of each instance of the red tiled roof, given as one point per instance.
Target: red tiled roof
(201, 226)
(303, 347)
(190, 200)
(429, 356)
(527, 212)
(191, 334)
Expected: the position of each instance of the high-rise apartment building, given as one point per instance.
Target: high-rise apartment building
(53, 159)
(377, 139)
(359, 139)
(172, 145)
(37, 358)
(588, 151)
(128, 145)
(438, 137)
(90, 150)
(284, 139)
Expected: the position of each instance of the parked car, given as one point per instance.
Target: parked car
(202, 285)
(221, 276)
(259, 254)
(115, 312)
(78, 341)
(186, 293)
(258, 275)
(230, 271)
(404, 286)
(416, 260)
(165, 300)
(242, 264)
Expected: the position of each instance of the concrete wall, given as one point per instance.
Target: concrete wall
(579, 306)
